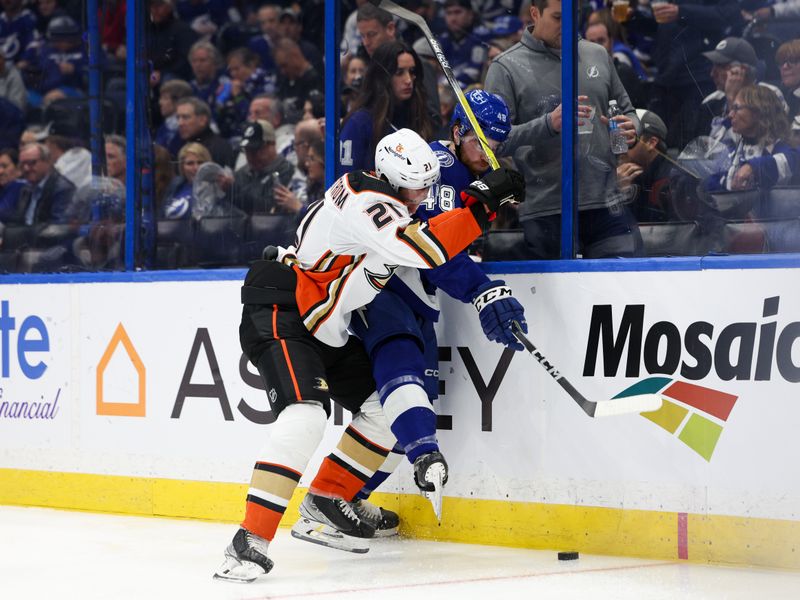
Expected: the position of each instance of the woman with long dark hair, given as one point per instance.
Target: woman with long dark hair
(392, 97)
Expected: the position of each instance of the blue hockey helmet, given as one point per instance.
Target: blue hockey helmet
(491, 112)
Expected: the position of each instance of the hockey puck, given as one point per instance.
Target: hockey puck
(567, 556)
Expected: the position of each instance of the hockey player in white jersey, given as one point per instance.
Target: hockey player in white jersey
(294, 330)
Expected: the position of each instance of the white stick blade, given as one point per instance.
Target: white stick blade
(629, 404)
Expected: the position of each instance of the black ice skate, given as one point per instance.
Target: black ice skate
(245, 558)
(332, 522)
(430, 475)
(385, 522)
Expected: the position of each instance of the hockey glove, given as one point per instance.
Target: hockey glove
(497, 308)
(495, 189)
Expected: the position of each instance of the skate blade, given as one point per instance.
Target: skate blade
(324, 535)
(383, 533)
(435, 475)
(237, 571)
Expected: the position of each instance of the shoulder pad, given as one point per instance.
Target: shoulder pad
(364, 181)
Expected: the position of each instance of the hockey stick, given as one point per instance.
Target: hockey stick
(407, 15)
(607, 408)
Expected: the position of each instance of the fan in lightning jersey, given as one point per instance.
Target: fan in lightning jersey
(294, 331)
(397, 328)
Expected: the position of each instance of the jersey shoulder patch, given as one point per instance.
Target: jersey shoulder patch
(446, 158)
(364, 181)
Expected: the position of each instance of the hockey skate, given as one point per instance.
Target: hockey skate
(245, 558)
(385, 522)
(332, 522)
(430, 475)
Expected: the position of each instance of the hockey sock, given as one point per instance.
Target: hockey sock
(412, 420)
(361, 451)
(293, 438)
(387, 468)
(399, 367)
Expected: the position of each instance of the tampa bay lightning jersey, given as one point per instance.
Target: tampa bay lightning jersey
(16, 34)
(460, 276)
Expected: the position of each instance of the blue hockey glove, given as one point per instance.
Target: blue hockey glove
(497, 308)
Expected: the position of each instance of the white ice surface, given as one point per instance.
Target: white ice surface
(50, 554)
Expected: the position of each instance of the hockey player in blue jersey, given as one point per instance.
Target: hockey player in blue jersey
(397, 327)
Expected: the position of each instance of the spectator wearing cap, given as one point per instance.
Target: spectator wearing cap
(788, 59)
(376, 27)
(268, 17)
(62, 62)
(735, 66)
(683, 30)
(51, 192)
(268, 107)
(464, 41)
(12, 188)
(17, 29)
(298, 77)
(194, 125)
(644, 172)
(168, 43)
(254, 184)
(206, 63)
(168, 95)
(290, 25)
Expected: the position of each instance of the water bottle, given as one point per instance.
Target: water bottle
(619, 144)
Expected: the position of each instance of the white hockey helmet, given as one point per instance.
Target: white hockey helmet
(406, 160)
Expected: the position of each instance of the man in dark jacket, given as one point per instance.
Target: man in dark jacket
(194, 119)
(168, 42)
(51, 192)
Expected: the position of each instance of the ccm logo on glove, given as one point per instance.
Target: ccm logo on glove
(493, 294)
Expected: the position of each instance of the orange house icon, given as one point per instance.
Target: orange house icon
(121, 409)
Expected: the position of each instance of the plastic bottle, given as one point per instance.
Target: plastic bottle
(619, 145)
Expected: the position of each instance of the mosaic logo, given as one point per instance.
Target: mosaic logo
(695, 414)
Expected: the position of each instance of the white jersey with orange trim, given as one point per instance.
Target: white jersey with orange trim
(350, 243)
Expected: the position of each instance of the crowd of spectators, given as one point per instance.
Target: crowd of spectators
(708, 91)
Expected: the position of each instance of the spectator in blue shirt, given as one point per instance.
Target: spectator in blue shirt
(17, 29)
(464, 41)
(206, 63)
(179, 198)
(62, 62)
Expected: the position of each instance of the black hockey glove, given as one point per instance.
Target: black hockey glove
(495, 189)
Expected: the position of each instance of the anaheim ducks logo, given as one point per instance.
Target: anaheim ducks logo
(378, 280)
(320, 384)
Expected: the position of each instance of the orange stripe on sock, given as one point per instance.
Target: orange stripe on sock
(334, 480)
(261, 521)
